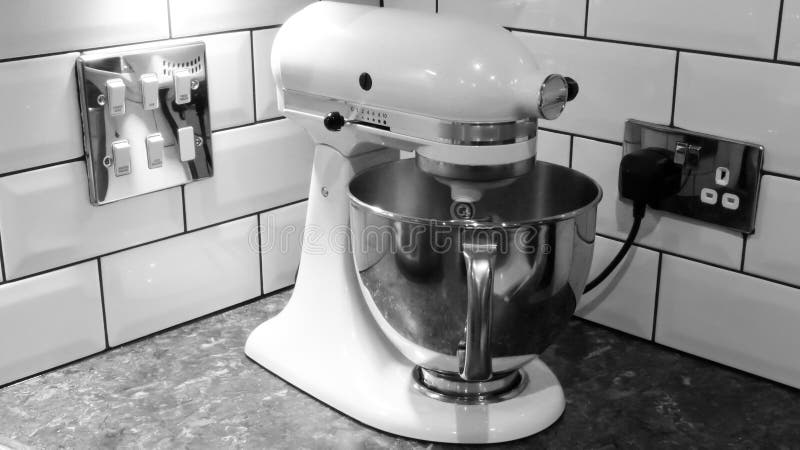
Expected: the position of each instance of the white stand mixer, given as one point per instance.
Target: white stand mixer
(366, 82)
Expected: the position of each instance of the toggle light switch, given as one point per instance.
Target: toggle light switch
(149, 83)
(122, 157)
(115, 96)
(183, 86)
(155, 151)
(186, 143)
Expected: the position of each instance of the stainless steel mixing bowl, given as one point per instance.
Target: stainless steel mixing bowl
(472, 291)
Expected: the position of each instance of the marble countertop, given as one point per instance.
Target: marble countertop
(193, 387)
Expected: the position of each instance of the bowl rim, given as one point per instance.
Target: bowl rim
(474, 224)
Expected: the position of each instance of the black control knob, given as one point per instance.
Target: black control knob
(572, 89)
(334, 121)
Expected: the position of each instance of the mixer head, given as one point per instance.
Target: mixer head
(465, 96)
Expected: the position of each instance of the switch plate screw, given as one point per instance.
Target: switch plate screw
(194, 85)
(101, 99)
(107, 161)
(324, 191)
(198, 141)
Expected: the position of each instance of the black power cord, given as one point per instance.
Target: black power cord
(647, 177)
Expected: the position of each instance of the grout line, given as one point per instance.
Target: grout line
(778, 32)
(780, 175)
(586, 20)
(744, 251)
(707, 263)
(82, 159)
(260, 254)
(125, 249)
(571, 149)
(658, 293)
(674, 89)
(169, 18)
(103, 300)
(43, 166)
(2, 262)
(253, 73)
(125, 44)
(583, 136)
(257, 122)
(659, 47)
(183, 205)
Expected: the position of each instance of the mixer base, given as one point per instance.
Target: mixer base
(326, 343)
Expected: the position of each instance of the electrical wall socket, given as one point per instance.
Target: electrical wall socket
(720, 177)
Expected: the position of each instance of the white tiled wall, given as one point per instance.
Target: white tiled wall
(255, 168)
(748, 100)
(266, 99)
(559, 16)
(709, 65)
(789, 49)
(281, 238)
(553, 147)
(158, 267)
(738, 27)
(49, 320)
(731, 318)
(158, 285)
(625, 300)
(34, 27)
(46, 219)
(35, 93)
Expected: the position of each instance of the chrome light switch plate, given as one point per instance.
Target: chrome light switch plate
(133, 104)
(720, 177)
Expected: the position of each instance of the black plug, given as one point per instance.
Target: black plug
(647, 177)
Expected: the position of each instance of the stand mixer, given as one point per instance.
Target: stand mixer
(427, 340)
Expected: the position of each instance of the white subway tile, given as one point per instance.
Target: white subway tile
(46, 219)
(281, 244)
(773, 250)
(660, 230)
(626, 299)
(230, 75)
(255, 168)
(418, 5)
(34, 27)
(553, 147)
(747, 100)
(39, 114)
(168, 282)
(210, 16)
(741, 27)
(266, 95)
(730, 318)
(49, 320)
(560, 16)
(617, 82)
(789, 45)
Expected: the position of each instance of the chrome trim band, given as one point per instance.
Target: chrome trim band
(452, 389)
(415, 125)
